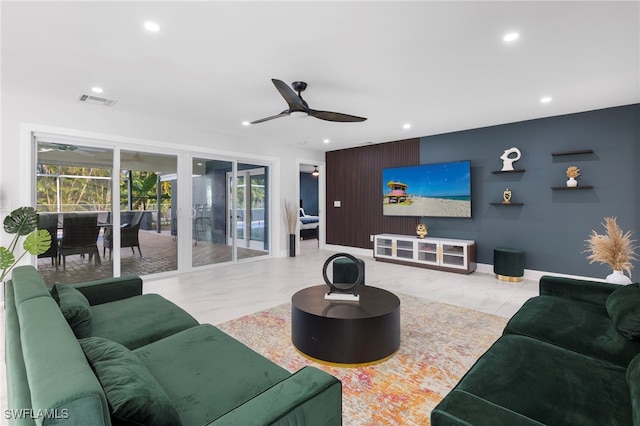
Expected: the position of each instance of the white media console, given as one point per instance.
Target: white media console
(435, 253)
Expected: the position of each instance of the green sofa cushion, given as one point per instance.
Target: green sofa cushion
(133, 394)
(308, 397)
(75, 308)
(58, 374)
(139, 320)
(579, 326)
(18, 394)
(623, 306)
(582, 290)
(633, 379)
(545, 383)
(207, 373)
(461, 408)
(28, 284)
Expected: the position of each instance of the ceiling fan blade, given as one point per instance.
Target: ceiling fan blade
(335, 116)
(295, 102)
(282, 114)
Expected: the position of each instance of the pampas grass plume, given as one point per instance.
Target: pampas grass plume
(291, 216)
(573, 172)
(615, 249)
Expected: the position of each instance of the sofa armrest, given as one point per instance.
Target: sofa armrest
(308, 397)
(464, 409)
(110, 289)
(582, 290)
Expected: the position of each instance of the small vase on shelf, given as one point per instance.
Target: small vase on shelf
(572, 173)
(618, 277)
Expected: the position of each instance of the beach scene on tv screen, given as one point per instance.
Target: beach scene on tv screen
(442, 190)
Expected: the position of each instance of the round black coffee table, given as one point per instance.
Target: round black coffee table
(346, 332)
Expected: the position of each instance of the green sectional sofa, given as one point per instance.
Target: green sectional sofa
(102, 353)
(569, 356)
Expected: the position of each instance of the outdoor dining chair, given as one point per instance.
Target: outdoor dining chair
(49, 222)
(79, 236)
(128, 235)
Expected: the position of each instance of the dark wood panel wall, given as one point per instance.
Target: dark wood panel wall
(354, 178)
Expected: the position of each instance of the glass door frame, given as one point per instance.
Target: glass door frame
(116, 154)
(232, 225)
(184, 155)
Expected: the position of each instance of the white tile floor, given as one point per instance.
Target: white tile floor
(230, 291)
(227, 292)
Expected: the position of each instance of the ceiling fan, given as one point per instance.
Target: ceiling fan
(298, 107)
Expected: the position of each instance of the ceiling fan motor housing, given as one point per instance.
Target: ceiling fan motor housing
(299, 86)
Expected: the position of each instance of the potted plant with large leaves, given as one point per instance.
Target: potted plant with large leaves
(22, 222)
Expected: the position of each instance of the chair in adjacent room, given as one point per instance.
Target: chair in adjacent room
(202, 222)
(128, 235)
(49, 222)
(79, 236)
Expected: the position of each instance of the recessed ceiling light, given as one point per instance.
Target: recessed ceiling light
(406, 126)
(326, 141)
(97, 89)
(151, 26)
(510, 37)
(245, 123)
(302, 142)
(546, 99)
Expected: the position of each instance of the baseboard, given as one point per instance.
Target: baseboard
(534, 275)
(483, 268)
(355, 251)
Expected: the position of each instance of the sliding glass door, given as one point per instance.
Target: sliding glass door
(73, 199)
(141, 225)
(252, 208)
(147, 227)
(208, 212)
(229, 212)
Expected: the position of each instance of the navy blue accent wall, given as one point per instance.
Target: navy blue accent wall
(552, 225)
(309, 193)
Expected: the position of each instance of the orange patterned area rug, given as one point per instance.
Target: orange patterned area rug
(438, 344)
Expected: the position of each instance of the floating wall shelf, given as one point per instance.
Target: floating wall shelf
(507, 204)
(578, 152)
(570, 188)
(507, 171)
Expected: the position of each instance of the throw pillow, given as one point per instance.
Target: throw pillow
(134, 395)
(623, 307)
(75, 308)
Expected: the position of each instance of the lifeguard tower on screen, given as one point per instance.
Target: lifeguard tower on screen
(397, 193)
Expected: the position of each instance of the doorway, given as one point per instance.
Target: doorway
(309, 184)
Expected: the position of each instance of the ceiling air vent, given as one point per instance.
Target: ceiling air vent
(97, 100)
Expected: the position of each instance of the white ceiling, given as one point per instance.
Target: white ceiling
(441, 66)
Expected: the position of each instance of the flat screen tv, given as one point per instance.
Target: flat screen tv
(438, 190)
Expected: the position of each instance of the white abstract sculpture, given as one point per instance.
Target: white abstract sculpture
(507, 162)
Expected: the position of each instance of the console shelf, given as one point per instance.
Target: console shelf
(434, 253)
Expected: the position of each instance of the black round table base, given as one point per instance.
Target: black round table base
(346, 332)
